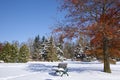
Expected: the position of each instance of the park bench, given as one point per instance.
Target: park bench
(61, 69)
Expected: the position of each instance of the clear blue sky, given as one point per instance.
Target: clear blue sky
(23, 19)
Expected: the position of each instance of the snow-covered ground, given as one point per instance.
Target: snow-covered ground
(43, 71)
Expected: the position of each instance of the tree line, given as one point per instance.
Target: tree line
(12, 53)
(37, 49)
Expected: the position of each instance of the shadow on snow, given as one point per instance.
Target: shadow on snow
(81, 69)
(38, 67)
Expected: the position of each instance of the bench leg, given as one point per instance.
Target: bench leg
(67, 74)
(61, 72)
(64, 73)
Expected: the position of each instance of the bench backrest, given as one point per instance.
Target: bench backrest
(62, 65)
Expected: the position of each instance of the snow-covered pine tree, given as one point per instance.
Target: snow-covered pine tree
(36, 48)
(51, 51)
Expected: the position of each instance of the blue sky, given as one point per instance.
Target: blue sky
(24, 19)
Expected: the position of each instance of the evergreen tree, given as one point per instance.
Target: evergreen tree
(1, 47)
(9, 53)
(68, 50)
(23, 54)
(51, 50)
(43, 39)
(36, 47)
(16, 43)
(6, 53)
(29, 43)
(13, 53)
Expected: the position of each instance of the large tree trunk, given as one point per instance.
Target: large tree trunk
(106, 56)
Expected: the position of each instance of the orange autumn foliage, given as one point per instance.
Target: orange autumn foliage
(113, 53)
(103, 17)
(111, 31)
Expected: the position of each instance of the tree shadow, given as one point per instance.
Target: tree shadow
(38, 67)
(86, 68)
(82, 69)
(83, 62)
(53, 74)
